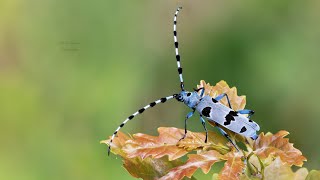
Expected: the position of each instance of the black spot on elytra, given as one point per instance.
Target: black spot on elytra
(250, 120)
(152, 104)
(233, 113)
(188, 94)
(141, 110)
(163, 100)
(206, 111)
(243, 129)
(229, 118)
(130, 117)
(214, 100)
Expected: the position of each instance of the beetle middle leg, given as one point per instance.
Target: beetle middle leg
(218, 98)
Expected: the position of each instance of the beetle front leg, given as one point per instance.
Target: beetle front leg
(189, 115)
(218, 98)
(205, 128)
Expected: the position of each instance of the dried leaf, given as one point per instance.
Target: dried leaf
(147, 168)
(195, 140)
(276, 145)
(282, 171)
(165, 144)
(233, 167)
(203, 160)
(237, 102)
(149, 164)
(118, 144)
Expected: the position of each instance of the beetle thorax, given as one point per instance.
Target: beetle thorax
(191, 99)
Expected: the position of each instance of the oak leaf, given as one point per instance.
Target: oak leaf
(147, 168)
(282, 171)
(195, 140)
(237, 102)
(203, 160)
(276, 145)
(118, 144)
(168, 143)
(233, 167)
(143, 145)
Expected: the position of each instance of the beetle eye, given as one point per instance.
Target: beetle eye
(188, 94)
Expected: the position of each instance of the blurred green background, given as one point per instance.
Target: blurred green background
(72, 71)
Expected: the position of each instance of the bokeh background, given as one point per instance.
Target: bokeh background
(72, 71)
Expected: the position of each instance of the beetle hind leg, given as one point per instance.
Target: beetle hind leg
(228, 137)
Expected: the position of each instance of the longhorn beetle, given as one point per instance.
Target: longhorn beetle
(207, 106)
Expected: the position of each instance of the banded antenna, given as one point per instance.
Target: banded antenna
(207, 106)
(176, 44)
(140, 111)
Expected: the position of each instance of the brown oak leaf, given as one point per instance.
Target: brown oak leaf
(203, 160)
(276, 145)
(168, 143)
(143, 145)
(237, 102)
(148, 168)
(118, 143)
(194, 140)
(233, 167)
